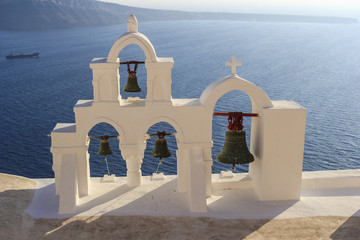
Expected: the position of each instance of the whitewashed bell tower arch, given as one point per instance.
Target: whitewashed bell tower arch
(132, 36)
(158, 69)
(277, 135)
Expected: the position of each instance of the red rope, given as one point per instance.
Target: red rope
(236, 119)
(131, 73)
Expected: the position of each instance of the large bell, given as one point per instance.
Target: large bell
(104, 148)
(161, 150)
(131, 84)
(235, 150)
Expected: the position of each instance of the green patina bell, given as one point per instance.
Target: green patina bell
(104, 148)
(132, 84)
(161, 150)
(235, 150)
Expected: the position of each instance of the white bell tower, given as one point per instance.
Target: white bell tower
(277, 134)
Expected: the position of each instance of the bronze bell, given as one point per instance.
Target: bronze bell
(235, 150)
(104, 147)
(131, 84)
(161, 150)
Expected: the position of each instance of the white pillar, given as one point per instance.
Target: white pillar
(63, 141)
(133, 155)
(208, 162)
(57, 169)
(68, 192)
(182, 171)
(83, 172)
(159, 81)
(277, 171)
(106, 81)
(133, 174)
(197, 185)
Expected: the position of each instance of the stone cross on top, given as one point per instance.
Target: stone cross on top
(233, 64)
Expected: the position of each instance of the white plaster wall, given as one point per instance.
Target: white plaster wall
(282, 153)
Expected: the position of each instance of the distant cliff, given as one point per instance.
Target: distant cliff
(53, 14)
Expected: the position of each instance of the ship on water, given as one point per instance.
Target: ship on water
(22, 55)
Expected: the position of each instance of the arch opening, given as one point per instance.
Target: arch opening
(97, 162)
(133, 52)
(169, 165)
(132, 38)
(232, 101)
(214, 91)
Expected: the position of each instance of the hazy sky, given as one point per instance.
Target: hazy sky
(349, 8)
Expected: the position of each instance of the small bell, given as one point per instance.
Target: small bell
(161, 150)
(235, 150)
(105, 150)
(104, 147)
(132, 85)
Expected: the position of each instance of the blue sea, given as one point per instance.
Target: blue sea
(316, 65)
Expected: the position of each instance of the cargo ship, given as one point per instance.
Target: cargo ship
(22, 55)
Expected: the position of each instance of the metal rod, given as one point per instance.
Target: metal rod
(160, 134)
(105, 136)
(131, 62)
(243, 114)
